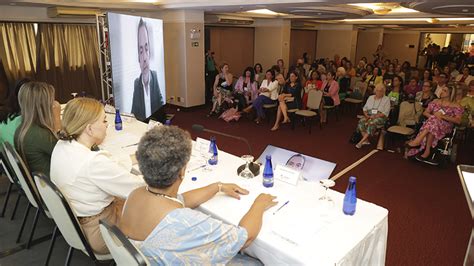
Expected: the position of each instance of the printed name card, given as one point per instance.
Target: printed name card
(287, 174)
(202, 145)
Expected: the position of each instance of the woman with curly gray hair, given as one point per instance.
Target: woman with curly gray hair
(163, 223)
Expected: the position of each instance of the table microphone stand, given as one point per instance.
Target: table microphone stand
(254, 167)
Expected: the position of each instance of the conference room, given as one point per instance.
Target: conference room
(251, 133)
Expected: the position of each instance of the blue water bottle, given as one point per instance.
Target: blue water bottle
(268, 172)
(118, 120)
(213, 152)
(350, 199)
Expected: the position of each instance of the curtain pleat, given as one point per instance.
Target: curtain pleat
(18, 50)
(69, 59)
(68, 56)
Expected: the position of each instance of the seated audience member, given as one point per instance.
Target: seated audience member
(330, 94)
(389, 74)
(314, 83)
(291, 89)
(441, 84)
(281, 66)
(426, 77)
(350, 70)
(281, 82)
(164, 225)
(425, 96)
(40, 120)
(10, 119)
(396, 96)
(361, 68)
(441, 115)
(94, 184)
(268, 95)
(453, 72)
(376, 111)
(400, 73)
(436, 75)
(373, 79)
(343, 80)
(246, 88)
(222, 89)
(411, 89)
(465, 77)
(468, 104)
(259, 76)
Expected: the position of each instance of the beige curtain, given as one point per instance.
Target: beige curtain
(18, 50)
(69, 59)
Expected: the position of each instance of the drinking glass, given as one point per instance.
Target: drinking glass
(326, 183)
(246, 173)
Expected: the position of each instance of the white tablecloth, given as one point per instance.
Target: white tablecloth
(304, 232)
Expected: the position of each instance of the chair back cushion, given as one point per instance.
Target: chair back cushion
(62, 214)
(122, 250)
(314, 99)
(409, 113)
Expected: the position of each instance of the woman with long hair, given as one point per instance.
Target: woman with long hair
(222, 88)
(441, 116)
(36, 136)
(95, 185)
(259, 76)
(246, 88)
(268, 95)
(292, 89)
(10, 119)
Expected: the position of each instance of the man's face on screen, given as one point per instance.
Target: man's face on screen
(143, 50)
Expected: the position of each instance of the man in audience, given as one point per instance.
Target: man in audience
(147, 97)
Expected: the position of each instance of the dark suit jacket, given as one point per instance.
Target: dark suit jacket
(138, 104)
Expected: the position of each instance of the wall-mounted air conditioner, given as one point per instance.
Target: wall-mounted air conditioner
(61, 12)
(228, 20)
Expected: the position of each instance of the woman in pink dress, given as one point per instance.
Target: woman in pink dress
(442, 114)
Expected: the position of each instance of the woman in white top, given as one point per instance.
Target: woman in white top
(376, 111)
(268, 95)
(95, 185)
(465, 77)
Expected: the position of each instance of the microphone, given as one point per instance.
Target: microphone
(254, 168)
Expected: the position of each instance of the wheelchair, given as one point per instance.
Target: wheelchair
(445, 151)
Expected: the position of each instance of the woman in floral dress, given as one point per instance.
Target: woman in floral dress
(441, 115)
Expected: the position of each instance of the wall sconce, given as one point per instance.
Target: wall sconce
(195, 34)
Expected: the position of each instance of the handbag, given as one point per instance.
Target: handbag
(355, 138)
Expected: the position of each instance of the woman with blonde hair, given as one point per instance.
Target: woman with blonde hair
(36, 136)
(95, 185)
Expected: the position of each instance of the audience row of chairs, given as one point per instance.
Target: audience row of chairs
(47, 199)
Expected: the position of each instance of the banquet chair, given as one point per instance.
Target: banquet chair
(22, 174)
(122, 250)
(10, 185)
(9, 172)
(314, 101)
(65, 219)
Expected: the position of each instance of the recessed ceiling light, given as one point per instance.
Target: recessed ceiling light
(263, 12)
(465, 10)
(382, 8)
(408, 19)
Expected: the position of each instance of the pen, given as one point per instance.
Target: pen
(197, 168)
(281, 207)
(130, 145)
